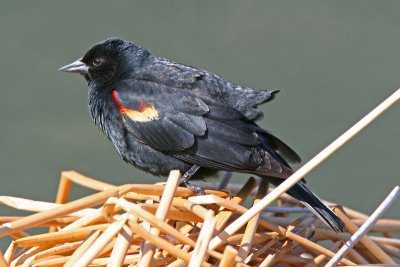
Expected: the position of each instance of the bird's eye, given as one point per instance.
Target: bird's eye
(97, 62)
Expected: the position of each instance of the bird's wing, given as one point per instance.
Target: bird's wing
(173, 120)
(281, 147)
(197, 130)
(159, 116)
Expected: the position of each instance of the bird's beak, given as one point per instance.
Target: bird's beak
(76, 67)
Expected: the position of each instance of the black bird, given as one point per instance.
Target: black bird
(161, 115)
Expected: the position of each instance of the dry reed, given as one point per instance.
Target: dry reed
(116, 235)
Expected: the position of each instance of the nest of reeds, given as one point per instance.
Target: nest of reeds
(167, 225)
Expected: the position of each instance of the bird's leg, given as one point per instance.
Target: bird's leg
(188, 174)
(186, 177)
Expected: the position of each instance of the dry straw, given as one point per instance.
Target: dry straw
(167, 225)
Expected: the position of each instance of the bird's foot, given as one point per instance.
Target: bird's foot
(198, 190)
(185, 181)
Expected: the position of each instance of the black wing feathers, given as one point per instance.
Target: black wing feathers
(194, 124)
(214, 153)
(163, 134)
(199, 130)
(282, 148)
(220, 111)
(230, 133)
(179, 113)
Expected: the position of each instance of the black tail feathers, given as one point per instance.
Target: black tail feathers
(301, 192)
(316, 206)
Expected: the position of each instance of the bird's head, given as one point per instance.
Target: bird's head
(108, 61)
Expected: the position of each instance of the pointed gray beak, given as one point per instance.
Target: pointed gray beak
(76, 67)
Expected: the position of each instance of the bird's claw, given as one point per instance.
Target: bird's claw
(198, 190)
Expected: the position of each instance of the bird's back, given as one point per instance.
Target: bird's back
(205, 83)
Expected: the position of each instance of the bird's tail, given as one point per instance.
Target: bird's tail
(316, 206)
(301, 192)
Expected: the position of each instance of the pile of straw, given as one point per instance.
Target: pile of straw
(167, 225)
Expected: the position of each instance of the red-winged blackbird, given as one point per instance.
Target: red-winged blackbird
(161, 115)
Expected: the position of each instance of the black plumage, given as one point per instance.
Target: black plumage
(161, 115)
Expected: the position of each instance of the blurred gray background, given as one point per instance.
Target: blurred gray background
(333, 60)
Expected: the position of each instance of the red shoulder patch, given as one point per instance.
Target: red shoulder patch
(144, 113)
